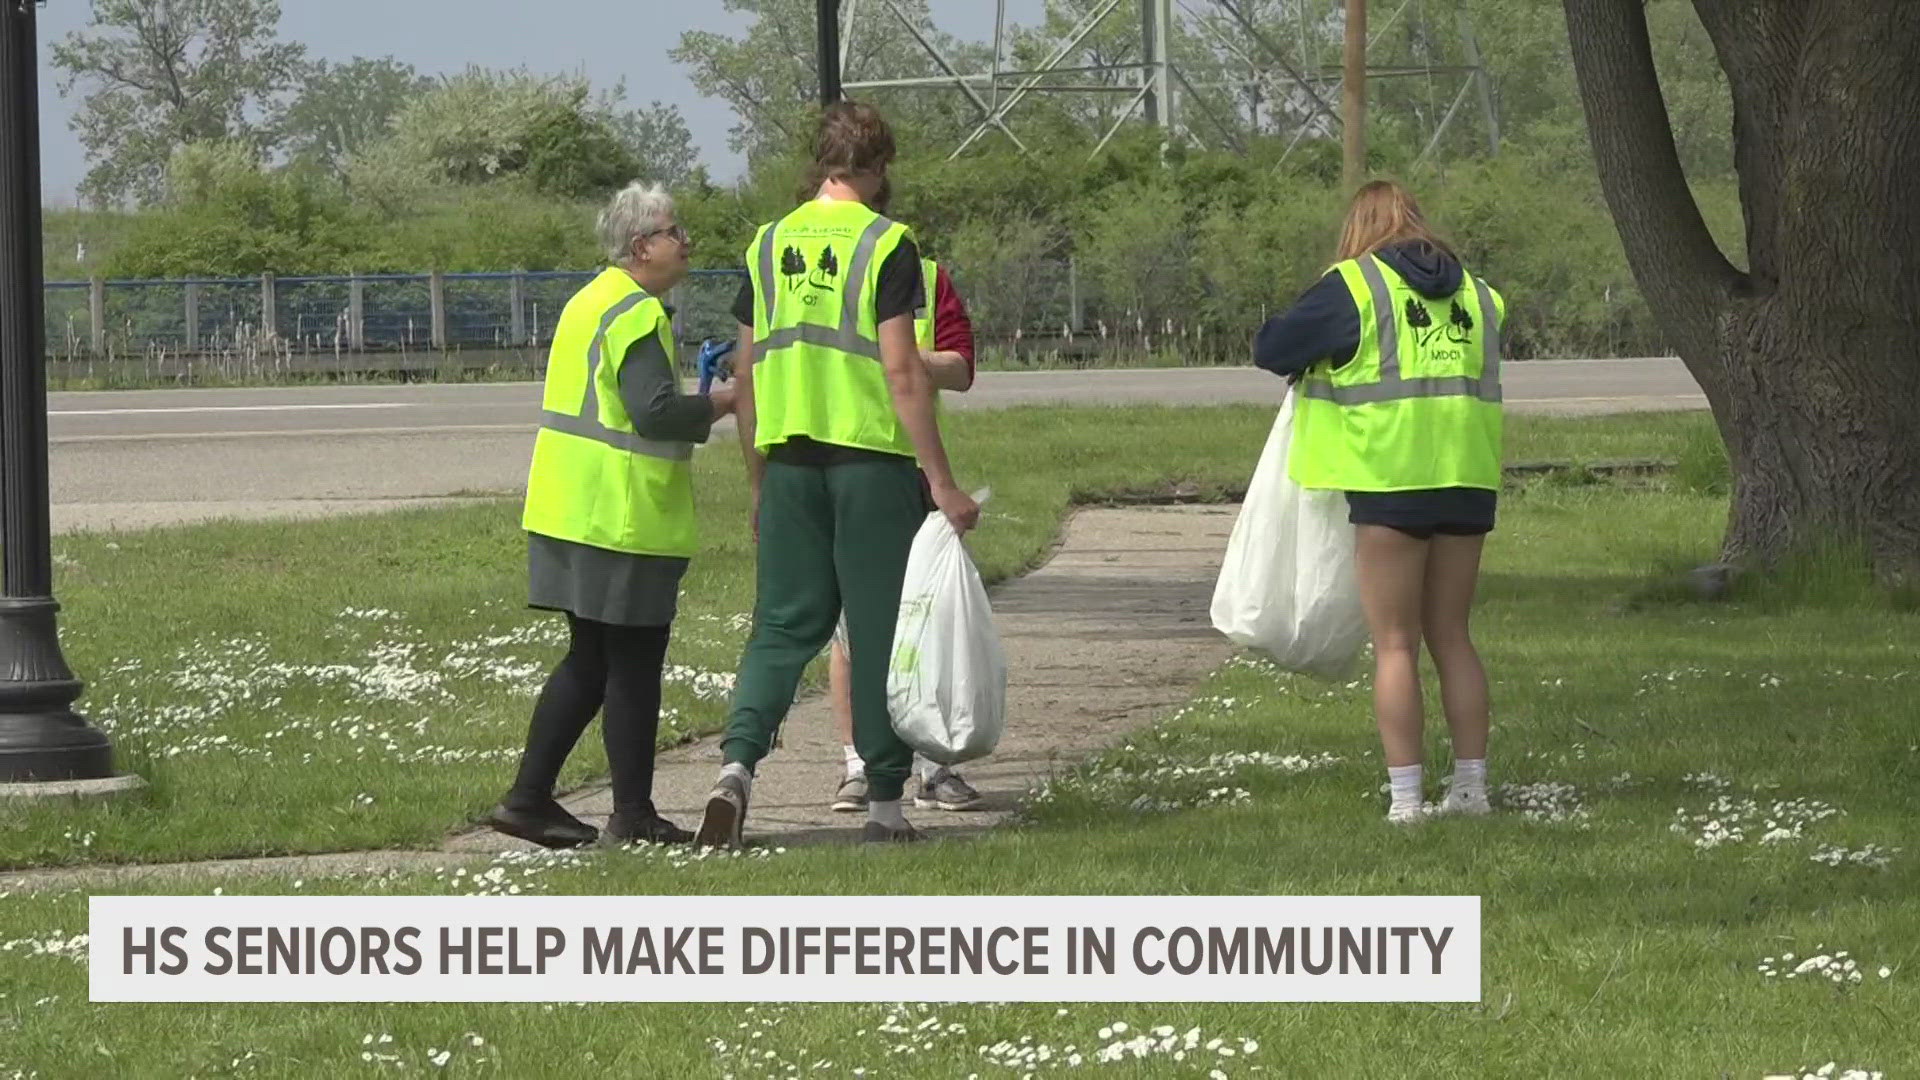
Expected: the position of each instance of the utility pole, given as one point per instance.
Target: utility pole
(1353, 99)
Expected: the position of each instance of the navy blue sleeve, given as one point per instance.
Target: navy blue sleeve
(1323, 324)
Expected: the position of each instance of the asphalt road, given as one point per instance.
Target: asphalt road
(129, 459)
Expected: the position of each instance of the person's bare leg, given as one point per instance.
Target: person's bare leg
(840, 690)
(1391, 568)
(1453, 574)
(851, 795)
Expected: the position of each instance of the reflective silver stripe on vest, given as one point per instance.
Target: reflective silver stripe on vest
(1386, 326)
(1391, 387)
(1400, 390)
(814, 334)
(769, 292)
(591, 407)
(857, 277)
(1490, 321)
(587, 428)
(587, 425)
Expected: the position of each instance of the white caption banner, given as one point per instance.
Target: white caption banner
(785, 948)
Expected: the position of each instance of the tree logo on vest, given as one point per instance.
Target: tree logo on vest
(826, 268)
(1458, 328)
(793, 266)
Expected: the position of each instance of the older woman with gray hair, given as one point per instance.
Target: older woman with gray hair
(610, 524)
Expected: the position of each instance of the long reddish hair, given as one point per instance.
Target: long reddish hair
(1384, 213)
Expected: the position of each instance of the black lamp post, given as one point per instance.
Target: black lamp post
(41, 737)
(827, 50)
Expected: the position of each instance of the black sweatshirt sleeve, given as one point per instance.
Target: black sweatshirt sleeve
(743, 304)
(900, 290)
(1323, 324)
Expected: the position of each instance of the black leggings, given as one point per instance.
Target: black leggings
(618, 667)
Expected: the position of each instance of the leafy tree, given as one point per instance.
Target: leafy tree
(228, 215)
(660, 143)
(550, 135)
(1810, 353)
(344, 108)
(161, 74)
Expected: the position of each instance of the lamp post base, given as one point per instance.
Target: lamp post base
(41, 737)
(71, 791)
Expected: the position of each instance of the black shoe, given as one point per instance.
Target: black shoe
(548, 825)
(726, 816)
(881, 833)
(648, 829)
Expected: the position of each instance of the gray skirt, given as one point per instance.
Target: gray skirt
(603, 586)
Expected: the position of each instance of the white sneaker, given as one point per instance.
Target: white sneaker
(1469, 803)
(1406, 815)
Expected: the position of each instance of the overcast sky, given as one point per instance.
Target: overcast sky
(605, 39)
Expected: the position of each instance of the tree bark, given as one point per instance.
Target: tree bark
(1810, 359)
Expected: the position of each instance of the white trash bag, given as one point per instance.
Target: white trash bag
(947, 681)
(1287, 585)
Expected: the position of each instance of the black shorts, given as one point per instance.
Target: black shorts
(1426, 514)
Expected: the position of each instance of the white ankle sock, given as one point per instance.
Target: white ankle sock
(734, 768)
(1469, 776)
(927, 771)
(855, 766)
(887, 812)
(1405, 781)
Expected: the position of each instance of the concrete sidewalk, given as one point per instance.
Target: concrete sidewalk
(1109, 632)
(1112, 629)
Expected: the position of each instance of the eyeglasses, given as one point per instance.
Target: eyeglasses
(677, 234)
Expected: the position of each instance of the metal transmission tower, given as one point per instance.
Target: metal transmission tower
(997, 91)
(1156, 88)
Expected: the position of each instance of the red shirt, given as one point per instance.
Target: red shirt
(952, 331)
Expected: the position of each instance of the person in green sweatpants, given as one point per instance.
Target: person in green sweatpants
(836, 414)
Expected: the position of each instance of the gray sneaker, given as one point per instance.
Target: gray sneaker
(726, 814)
(1470, 804)
(852, 795)
(877, 832)
(946, 791)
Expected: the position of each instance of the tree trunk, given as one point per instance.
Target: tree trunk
(1810, 359)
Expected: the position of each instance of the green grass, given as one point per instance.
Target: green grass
(1614, 945)
(241, 675)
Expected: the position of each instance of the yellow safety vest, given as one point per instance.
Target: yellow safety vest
(1418, 406)
(594, 480)
(816, 364)
(923, 326)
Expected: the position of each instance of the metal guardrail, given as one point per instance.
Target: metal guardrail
(106, 332)
(324, 315)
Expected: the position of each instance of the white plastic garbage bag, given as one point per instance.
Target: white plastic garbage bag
(1287, 585)
(947, 682)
